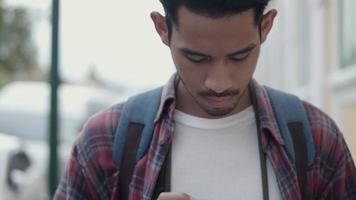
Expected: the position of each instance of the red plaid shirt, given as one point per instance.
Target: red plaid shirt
(92, 174)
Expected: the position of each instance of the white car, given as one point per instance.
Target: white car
(22, 168)
(24, 109)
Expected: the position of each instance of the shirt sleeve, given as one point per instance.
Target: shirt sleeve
(343, 182)
(333, 174)
(91, 172)
(74, 184)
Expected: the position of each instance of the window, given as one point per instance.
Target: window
(347, 32)
(304, 42)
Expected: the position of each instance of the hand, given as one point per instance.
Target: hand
(174, 196)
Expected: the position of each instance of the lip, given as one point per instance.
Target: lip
(218, 101)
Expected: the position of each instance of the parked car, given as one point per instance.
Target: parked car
(24, 152)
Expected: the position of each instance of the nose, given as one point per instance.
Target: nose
(218, 78)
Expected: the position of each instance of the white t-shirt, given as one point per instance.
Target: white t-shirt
(218, 159)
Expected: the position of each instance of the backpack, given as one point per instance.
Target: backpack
(136, 125)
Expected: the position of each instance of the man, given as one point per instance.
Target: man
(209, 121)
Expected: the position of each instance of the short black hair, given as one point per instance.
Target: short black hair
(212, 8)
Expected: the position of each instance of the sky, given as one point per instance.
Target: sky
(116, 38)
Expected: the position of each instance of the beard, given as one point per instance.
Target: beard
(217, 111)
(201, 97)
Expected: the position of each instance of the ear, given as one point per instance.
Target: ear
(267, 23)
(161, 26)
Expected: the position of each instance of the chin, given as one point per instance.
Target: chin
(219, 112)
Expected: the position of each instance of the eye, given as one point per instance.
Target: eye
(197, 58)
(240, 57)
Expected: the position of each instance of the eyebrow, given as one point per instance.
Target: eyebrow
(238, 52)
(242, 51)
(192, 52)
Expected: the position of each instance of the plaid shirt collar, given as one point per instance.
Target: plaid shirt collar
(262, 105)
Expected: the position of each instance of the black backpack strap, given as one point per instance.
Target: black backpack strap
(128, 159)
(133, 135)
(294, 126)
(141, 109)
(301, 157)
(128, 165)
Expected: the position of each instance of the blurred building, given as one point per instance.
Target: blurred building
(311, 52)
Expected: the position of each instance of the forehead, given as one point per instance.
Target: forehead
(201, 31)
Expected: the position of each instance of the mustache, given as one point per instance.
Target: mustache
(211, 93)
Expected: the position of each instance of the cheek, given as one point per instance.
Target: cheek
(253, 60)
(249, 66)
(193, 79)
(242, 73)
(186, 69)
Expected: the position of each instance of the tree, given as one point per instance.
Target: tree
(17, 50)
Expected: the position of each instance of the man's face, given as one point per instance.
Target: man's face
(215, 60)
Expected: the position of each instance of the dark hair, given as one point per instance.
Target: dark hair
(212, 8)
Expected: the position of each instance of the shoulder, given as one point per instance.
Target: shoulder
(331, 148)
(101, 124)
(94, 143)
(91, 172)
(323, 127)
(320, 120)
(333, 169)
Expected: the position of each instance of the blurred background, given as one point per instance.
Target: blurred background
(108, 50)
